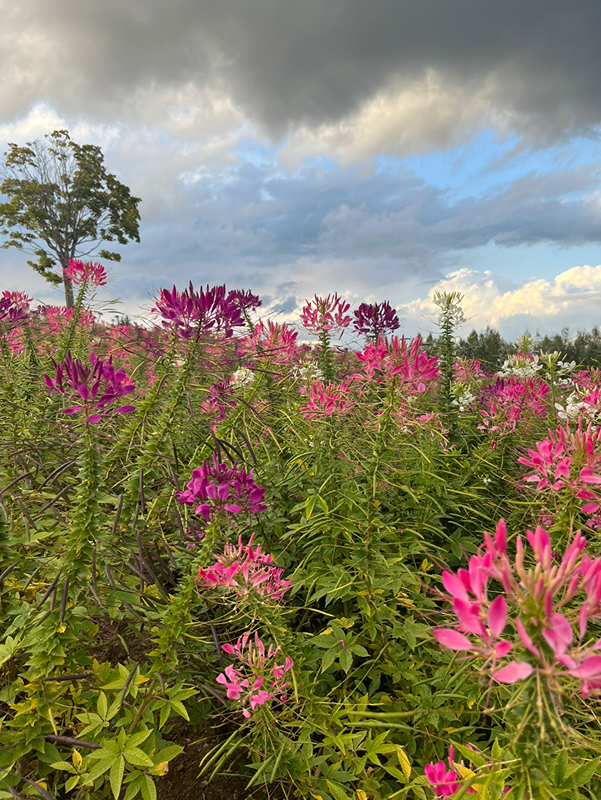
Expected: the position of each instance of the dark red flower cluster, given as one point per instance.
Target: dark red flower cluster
(375, 319)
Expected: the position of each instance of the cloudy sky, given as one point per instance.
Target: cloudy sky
(384, 149)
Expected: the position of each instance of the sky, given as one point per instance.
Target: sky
(384, 150)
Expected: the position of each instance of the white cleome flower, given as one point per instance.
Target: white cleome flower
(242, 377)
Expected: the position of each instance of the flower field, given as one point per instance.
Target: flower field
(365, 571)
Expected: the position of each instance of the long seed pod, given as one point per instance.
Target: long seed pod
(54, 499)
(109, 576)
(64, 597)
(48, 591)
(248, 445)
(130, 678)
(69, 741)
(93, 587)
(117, 515)
(7, 572)
(61, 678)
(141, 493)
(57, 472)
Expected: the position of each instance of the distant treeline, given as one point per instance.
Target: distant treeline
(491, 349)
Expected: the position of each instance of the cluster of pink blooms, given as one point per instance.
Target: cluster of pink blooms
(274, 340)
(549, 598)
(245, 570)
(189, 313)
(467, 370)
(567, 460)
(327, 314)
(215, 487)
(327, 399)
(511, 401)
(88, 272)
(91, 388)
(258, 678)
(385, 359)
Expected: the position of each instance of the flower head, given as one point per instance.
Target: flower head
(376, 319)
(217, 488)
(325, 314)
(89, 272)
(93, 388)
(189, 313)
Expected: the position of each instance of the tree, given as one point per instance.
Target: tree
(62, 204)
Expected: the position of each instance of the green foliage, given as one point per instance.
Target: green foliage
(62, 203)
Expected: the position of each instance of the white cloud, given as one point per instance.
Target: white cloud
(572, 299)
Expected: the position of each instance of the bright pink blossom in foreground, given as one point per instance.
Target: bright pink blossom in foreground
(91, 388)
(551, 604)
(215, 487)
(259, 679)
(245, 570)
(327, 399)
(327, 314)
(89, 272)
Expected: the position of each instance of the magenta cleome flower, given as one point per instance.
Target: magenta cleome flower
(191, 313)
(246, 571)
(328, 399)
(326, 314)
(259, 679)
(376, 319)
(14, 307)
(215, 488)
(93, 388)
(88, 272)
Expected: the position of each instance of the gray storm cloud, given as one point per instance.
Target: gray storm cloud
(532, 67)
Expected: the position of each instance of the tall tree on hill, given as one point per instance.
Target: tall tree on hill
(62, 204)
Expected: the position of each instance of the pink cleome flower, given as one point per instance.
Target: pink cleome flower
(325, 400)
(259, 679)
(548, 600)
(412, 366)
(88, 272)
(246, 571)
(325, 314)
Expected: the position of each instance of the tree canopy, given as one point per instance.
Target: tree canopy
(63, 204)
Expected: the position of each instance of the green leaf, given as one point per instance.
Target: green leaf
(72, 782)
(346, 660)
(585, 772)
(561, 764)
(102, 705)
(116, 776)
(63, 765)
(134, 787)
(310, 505)
(337, 791)
(138, 738)
(329, 658)
(180, 709)
(168, 754)
(137, 757)
(149, 790)
(100, 768)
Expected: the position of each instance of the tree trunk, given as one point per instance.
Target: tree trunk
(68, 284)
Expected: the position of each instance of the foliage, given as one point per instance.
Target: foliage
(62, 202)
(270, 539)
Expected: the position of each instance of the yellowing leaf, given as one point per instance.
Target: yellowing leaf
(361, 794)
(404, 762)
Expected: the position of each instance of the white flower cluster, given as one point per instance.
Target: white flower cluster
(522, 366)
(308, 372)
(575, 407)
(451, 311)
(242, 377)
(462, 397)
